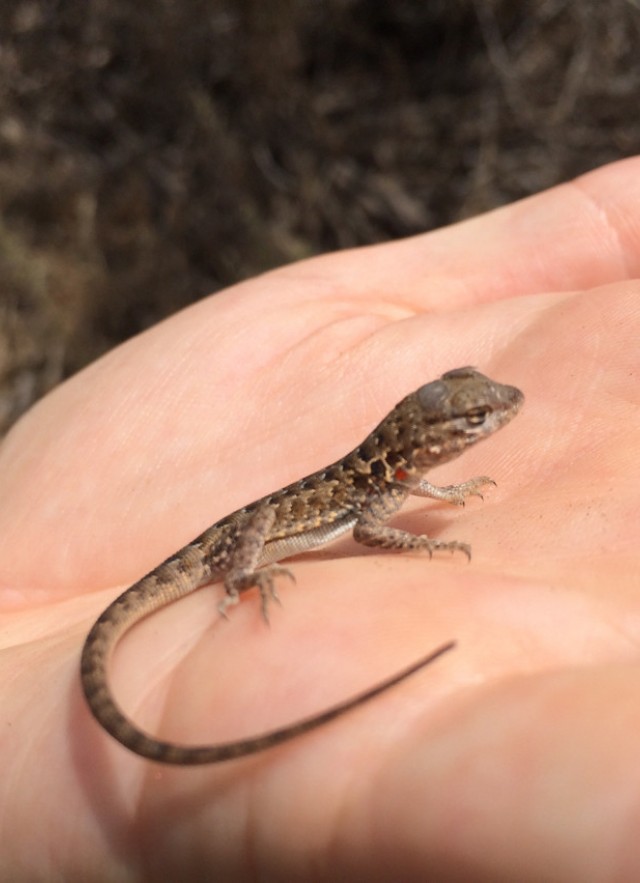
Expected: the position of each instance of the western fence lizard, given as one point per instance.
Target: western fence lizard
(360, 493)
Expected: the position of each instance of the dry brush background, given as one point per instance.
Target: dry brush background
(151, 153)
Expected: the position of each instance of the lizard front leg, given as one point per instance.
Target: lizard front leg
(244, 570)
(453, 493)
(370, 529)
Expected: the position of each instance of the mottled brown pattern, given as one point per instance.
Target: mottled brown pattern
(360, 492)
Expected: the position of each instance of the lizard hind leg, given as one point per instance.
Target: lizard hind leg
(244, 571)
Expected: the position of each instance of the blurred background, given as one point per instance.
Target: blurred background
(152, 153)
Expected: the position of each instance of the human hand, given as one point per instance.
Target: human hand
(514, 756)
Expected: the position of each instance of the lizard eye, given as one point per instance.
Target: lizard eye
(477, 416)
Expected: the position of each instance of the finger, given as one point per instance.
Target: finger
(577, 235)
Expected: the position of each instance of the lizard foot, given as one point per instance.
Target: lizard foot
(263, 580)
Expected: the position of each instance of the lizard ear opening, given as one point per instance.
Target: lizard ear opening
(432, 396)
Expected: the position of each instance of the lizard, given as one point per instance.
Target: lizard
(357, 493)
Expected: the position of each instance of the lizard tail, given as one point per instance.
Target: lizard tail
(156, 590)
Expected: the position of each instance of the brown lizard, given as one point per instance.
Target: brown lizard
(359, 493)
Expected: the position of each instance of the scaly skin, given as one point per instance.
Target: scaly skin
(360, 493)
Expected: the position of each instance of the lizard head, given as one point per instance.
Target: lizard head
(454, 412)
(434, 424)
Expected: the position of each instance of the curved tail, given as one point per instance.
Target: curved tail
(137, 602)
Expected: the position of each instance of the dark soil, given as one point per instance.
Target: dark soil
(151, 153)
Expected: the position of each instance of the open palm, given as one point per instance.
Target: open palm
(513, 757)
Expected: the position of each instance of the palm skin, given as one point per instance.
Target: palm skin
(513, 757)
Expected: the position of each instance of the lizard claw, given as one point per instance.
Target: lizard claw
(263, 580)
(231, 598)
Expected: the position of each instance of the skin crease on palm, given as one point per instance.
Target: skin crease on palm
(516, 756)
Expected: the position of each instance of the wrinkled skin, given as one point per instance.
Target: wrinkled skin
(515, 757)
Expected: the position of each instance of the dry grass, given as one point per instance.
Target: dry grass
(152, 153)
